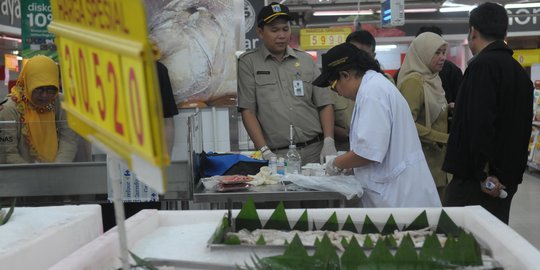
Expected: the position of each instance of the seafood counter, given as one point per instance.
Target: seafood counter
(184, 238)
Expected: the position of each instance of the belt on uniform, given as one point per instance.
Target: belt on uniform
(317, 138)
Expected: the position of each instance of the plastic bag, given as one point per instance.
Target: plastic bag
(347, 185)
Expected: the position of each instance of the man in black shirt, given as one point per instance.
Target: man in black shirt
(492, 120)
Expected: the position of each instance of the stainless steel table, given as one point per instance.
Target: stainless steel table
(267, 193)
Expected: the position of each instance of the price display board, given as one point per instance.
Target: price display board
(322, 38)
(111, 91)
(527, 57)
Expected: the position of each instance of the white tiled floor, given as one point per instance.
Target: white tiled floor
(525, 211)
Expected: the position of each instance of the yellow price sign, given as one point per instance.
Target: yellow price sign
(527, 57)
(110, 83)
(322, 38)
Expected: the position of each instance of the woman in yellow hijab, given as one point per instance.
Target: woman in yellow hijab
(35, 126)
(420, 84)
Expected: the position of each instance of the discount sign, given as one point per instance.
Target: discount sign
(36, 15)
(111, 92)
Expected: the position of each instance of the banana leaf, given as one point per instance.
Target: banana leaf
(6, 218)
(278, 220)
(381, 257)
(331, 224)
(446, 225)
(420, 222)
(369, 227)
(390, 226)
(406, 256)
(349, 225)
(247, 217)
(326, 254)
(302, 224)
(261, 241)
(353, 256)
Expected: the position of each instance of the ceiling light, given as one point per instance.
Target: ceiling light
(456, 9)
(417, 10)
(343, 12)
(420, 10)
(523, 5)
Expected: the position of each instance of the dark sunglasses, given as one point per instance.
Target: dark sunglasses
(50, 90)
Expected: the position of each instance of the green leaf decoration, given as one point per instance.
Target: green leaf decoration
(219, 234)
(6, 218)
(353, 256)
(331, 224)
(344, 242)
(390, 226)
(278, 220)
(368, 226)
(285, 262)
(232, 240)
(381, 256)
(420, 222)
(390, 241)
(296, 248)
(317, 242)
(446, 225)
(349, 225)
(248, 217)
(314, 228)
(431, 250)
(469, 250)
(368, 243)
(406, 256)
(326, 254)
(261, 241)
(449, 251)
(141, 262)
(302, 224)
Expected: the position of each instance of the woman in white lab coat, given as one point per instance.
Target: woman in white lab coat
(385, 153)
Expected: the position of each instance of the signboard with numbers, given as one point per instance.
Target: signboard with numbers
(111, 92)
(322, 38)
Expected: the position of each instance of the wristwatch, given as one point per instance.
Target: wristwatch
(264, 149)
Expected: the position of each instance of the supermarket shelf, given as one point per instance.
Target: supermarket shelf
(533, 165)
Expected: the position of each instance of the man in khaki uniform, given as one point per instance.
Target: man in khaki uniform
(275, 91)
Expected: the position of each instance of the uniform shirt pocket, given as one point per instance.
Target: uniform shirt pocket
(267, 88)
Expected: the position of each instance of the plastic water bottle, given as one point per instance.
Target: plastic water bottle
(490, 185)
(280, 166)
(272, 164)
(293, 159)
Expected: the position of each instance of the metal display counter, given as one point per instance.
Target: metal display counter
(81, 178)
(266, 193)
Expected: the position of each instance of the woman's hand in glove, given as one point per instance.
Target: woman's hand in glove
(331, 168)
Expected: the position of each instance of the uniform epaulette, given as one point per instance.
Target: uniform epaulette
(248, 52)
(298, 50)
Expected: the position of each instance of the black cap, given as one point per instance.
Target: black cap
(339, 58)
(272, 11)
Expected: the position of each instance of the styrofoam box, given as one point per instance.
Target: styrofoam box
(183, 235)
(38, 237)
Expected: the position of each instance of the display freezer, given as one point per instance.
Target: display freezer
(183, 236)
(38, 237)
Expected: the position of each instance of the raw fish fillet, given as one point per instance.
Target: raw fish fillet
(197, 43)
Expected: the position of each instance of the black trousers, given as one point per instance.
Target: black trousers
(463, 192)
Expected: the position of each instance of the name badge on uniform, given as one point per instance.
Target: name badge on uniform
(298, 88)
